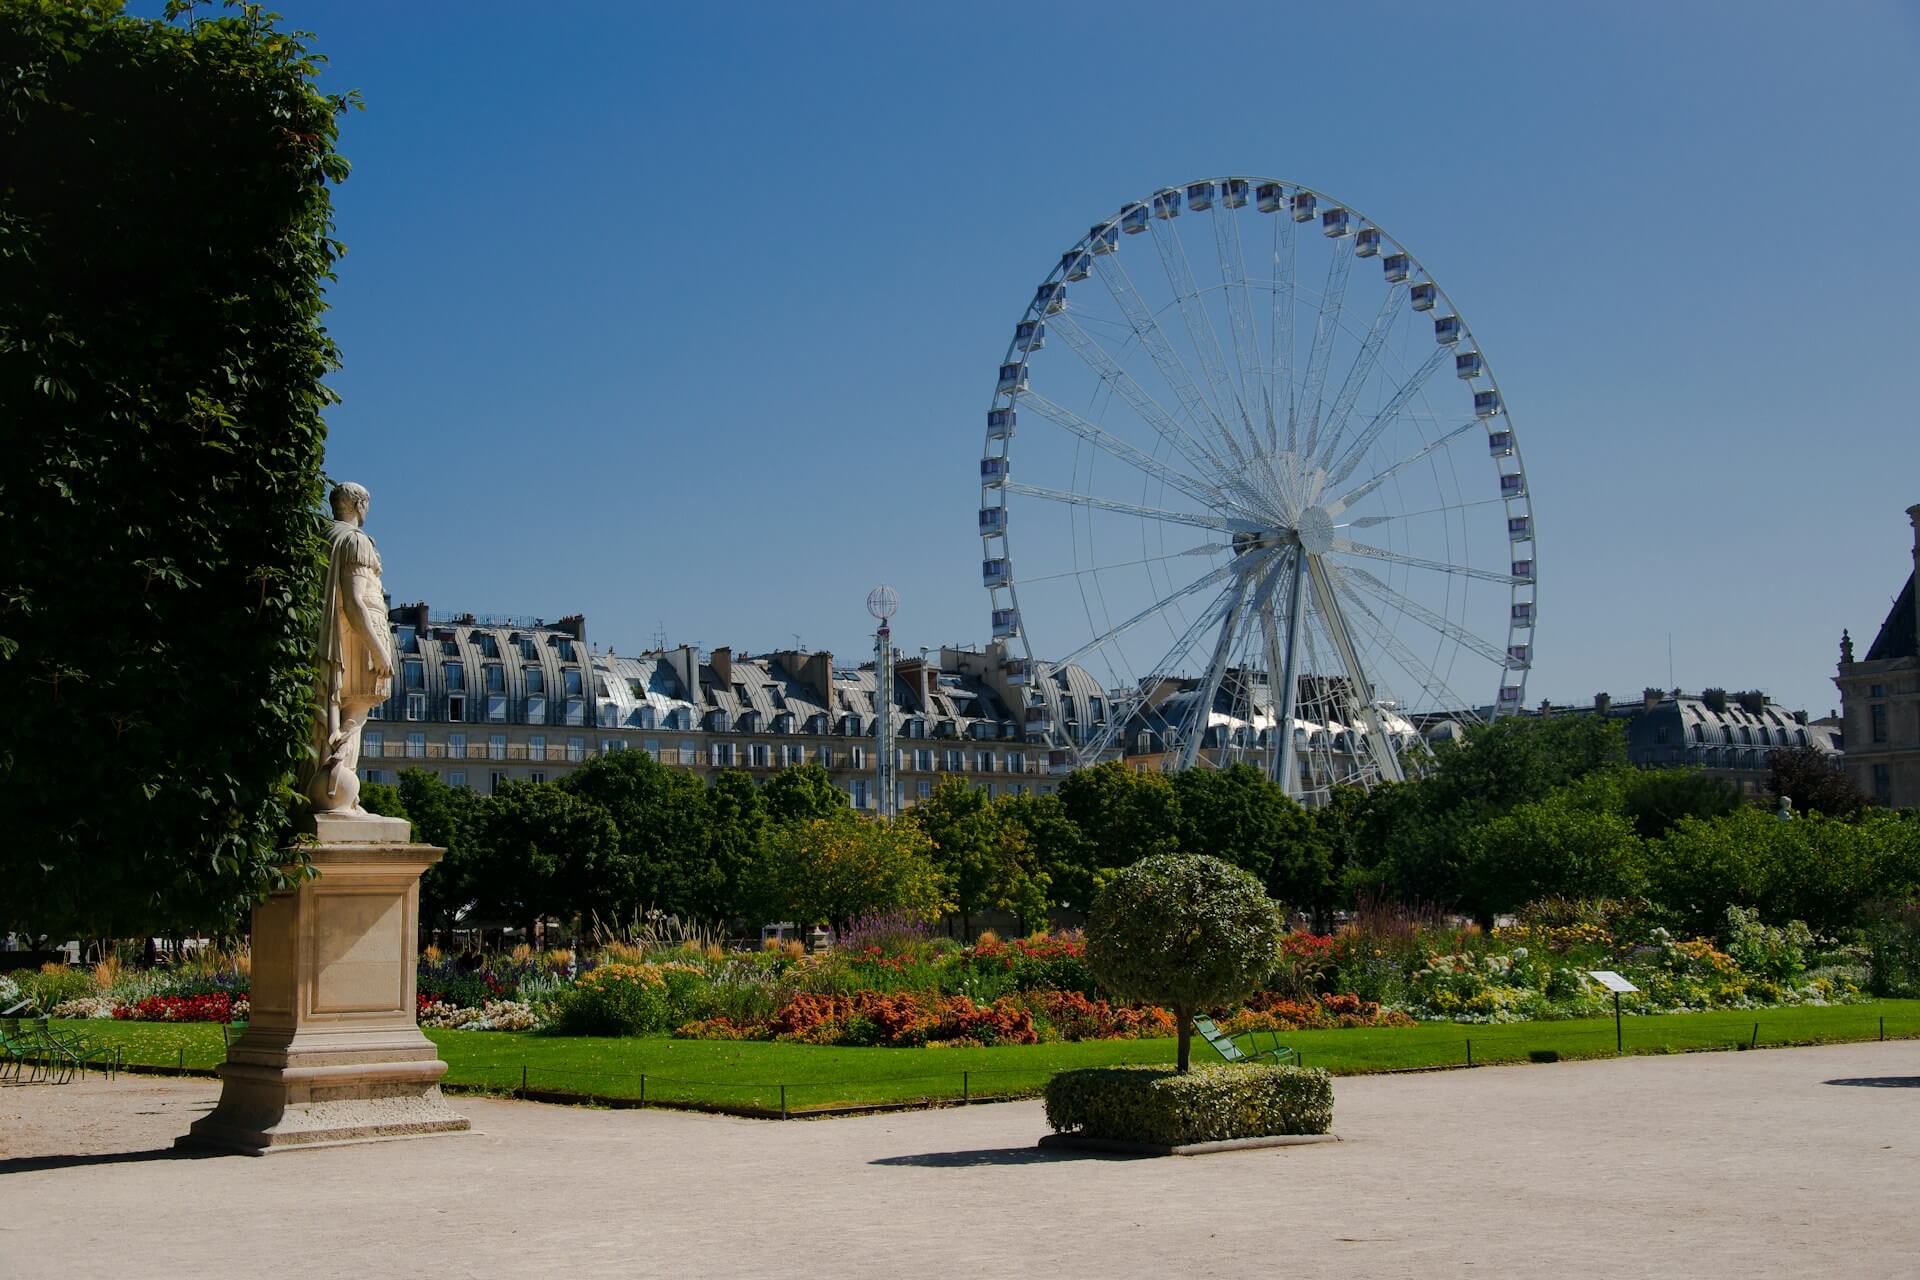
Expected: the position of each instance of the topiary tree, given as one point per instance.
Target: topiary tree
(1185, 931)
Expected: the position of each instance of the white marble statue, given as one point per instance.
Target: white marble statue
(353, 656)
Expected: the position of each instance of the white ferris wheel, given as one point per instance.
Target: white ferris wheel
(1247, 468)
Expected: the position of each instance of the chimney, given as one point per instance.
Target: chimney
(410, 615)
(721, 660)
(1650, 698)
(1602, 703)
(575, 625)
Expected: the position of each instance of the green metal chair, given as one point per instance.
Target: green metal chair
(1229, 1049)
(77, 1052)
(18, 1053)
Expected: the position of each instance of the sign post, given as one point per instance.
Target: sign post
(1619, 986)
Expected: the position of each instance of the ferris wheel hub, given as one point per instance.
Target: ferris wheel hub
(1314, 531)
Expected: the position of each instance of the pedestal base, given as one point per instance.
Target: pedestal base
(333, 1054)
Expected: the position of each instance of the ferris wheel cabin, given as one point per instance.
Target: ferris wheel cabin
(1200, 196)
(1000, 424)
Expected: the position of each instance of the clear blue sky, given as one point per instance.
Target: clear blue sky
(685, 316)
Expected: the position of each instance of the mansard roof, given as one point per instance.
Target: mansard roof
(1899, 636)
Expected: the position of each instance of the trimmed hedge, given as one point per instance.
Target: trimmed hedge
(1208, 1104)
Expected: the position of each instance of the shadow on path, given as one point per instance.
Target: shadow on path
(34, 1164)
(1881, 1082)
(999, 1156)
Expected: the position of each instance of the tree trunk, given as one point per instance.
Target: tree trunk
(1184, 1017)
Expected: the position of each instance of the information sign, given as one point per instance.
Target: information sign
(1612, 981)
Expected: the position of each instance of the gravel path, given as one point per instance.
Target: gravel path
(1796, 1162)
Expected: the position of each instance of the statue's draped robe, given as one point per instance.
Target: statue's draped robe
(349, 679)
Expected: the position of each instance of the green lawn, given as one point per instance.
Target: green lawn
(747, 1074)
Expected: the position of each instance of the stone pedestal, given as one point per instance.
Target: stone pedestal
(333, 1053)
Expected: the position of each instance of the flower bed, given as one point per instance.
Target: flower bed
(216, 1006)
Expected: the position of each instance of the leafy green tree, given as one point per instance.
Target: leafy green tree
(382, 798)
(833, 870)
(1123, 815)
(1549, 848)
(1242, 816)
(1426, 825)
(1053, 857)
(963, 838)
(736, 826)
(1185, 931)
(1343, 831)
(663, 818)
(541, 851)
(1656, 799)
(1815, 782)
(1814, 868)
(801, 791)
(165, 239)
(448, 817)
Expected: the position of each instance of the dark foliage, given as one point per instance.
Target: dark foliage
(164, 242)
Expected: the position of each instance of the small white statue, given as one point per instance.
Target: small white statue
(353, 656)
(1785, 812)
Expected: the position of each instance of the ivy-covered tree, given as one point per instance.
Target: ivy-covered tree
(165, 238)
(1185, 931)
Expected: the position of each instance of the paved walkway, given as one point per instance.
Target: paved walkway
(1798, 1162)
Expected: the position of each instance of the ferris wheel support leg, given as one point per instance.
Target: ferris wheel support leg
(1290, 676)
(1384, 756)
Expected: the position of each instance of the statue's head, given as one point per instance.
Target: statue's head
(350, 501)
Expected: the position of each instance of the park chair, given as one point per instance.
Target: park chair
(77, 1051)
(230, 1033)
(1228, 1048)
(18, 1052)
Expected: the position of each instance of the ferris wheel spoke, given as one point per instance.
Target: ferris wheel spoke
(1160, 350)
(1357, 451)
(1194, 518)
(1354, 495)
(1432, 681)
(1414, 609)
(1239, 299)
(1182, 441)
(1347, 546)
(1170, 662)
(1204, 549)
(1195, 587)
(1361, 369)
(1230, 411)
(1385, 758)
(1325, 327)
(1200, 491)
(1368, 522)
(1280, 335)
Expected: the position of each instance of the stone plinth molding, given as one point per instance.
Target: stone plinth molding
(333, 1053)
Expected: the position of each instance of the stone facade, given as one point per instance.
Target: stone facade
(1880, 699)
(481, 700)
